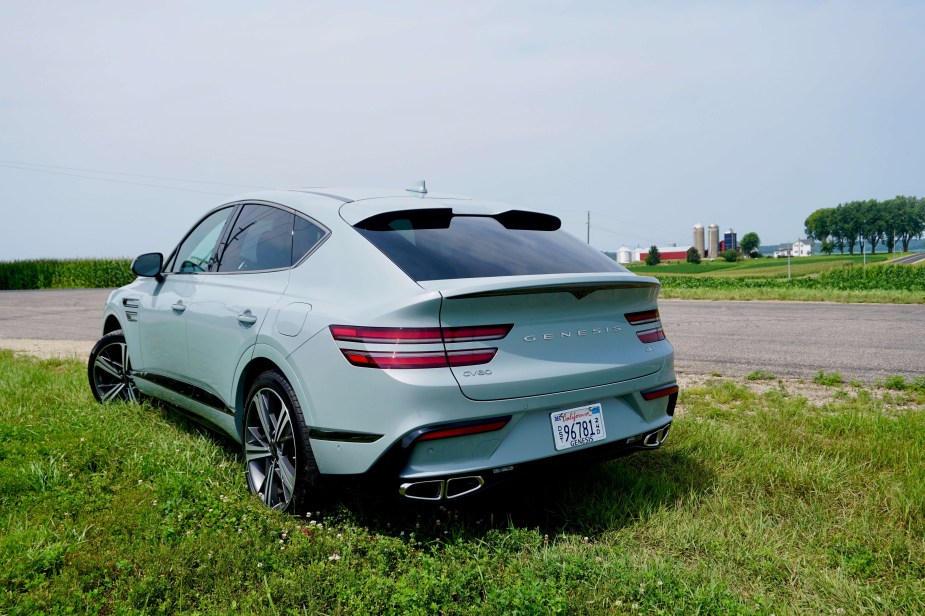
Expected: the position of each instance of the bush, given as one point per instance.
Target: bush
(654, 257)
(693, 256)
(730, 255)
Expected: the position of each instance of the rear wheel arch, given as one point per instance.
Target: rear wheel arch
(263, 360)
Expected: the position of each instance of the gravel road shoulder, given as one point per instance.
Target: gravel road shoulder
(47, 349)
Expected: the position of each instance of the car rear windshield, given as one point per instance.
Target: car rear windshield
(437, 245)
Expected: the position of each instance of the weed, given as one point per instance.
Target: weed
(831, 379)
(761, 375)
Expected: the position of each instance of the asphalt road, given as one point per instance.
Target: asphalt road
(788, 339)
(796, 339)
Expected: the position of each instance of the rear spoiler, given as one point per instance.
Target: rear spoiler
(579, 285)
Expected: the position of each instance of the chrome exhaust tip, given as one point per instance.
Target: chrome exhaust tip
(438, 489)
(655, 439)
(423, 490)
(460, 486)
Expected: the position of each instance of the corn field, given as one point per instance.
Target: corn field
(65, 274)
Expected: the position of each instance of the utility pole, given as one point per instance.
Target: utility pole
(589, 227)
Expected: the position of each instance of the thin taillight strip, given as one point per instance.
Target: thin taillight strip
(642, 318)
(411, 360)
(418, 335)
(651, 335)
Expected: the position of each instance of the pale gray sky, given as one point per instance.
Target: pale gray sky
(652, 115)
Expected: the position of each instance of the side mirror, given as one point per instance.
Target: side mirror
(148, 265)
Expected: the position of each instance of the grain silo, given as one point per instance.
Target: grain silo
(713, 236)
(624, 255)
(698, 239)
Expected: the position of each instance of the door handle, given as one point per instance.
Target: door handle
(246, 318)
(179, 307)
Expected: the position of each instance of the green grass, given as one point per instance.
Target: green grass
(799, 266)
(65, 274)
(756, 504)
(837, 278)
(831, 379)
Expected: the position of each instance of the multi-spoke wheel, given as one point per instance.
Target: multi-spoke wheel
(280, 464)
(109, 370)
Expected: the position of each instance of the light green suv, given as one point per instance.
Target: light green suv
(435, 344)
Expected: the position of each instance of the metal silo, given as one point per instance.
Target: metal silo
(698, 238)
(624, 255)
(713, 235)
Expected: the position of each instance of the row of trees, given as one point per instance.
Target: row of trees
(849, 224)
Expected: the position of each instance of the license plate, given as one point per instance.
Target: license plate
(579, 426)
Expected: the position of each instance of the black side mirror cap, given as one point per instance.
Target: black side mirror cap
(148, 265)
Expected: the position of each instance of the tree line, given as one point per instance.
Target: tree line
(895, 220)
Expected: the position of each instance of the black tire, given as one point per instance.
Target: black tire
(109, 369)
(279, 463)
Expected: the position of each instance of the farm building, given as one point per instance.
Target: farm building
(669, 253)
(800, 248)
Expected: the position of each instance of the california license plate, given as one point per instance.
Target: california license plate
(579, 426)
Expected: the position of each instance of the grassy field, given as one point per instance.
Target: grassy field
(835, 278)
(766, 267)
(768, 497)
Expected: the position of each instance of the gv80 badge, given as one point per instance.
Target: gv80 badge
(594, 331)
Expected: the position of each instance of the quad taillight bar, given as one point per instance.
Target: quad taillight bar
(418, 335)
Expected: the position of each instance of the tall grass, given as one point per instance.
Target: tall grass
(65, 274)
(759, 503)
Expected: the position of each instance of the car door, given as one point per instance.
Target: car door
(229, 307)
(162, 312)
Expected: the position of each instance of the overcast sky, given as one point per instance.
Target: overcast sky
(652, 115)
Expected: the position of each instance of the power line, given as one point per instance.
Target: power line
(90, 177)
(134, 175)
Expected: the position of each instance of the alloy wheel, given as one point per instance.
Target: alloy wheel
(111, 370)
(270, 449)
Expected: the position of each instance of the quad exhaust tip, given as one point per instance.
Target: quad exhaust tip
(438, 489)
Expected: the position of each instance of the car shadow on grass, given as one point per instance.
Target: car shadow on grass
(584, 500)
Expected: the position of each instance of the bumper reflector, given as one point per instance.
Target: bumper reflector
(660, 392)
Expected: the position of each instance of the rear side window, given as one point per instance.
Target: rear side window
(305, 236)
(261, 239)
(436, 245)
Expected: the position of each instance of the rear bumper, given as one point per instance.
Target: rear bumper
(389, 472)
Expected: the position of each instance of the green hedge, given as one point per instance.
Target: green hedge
(65, 274)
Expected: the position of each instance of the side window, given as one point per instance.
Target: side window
(195, 253)
(260, 239)
(305, 236)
